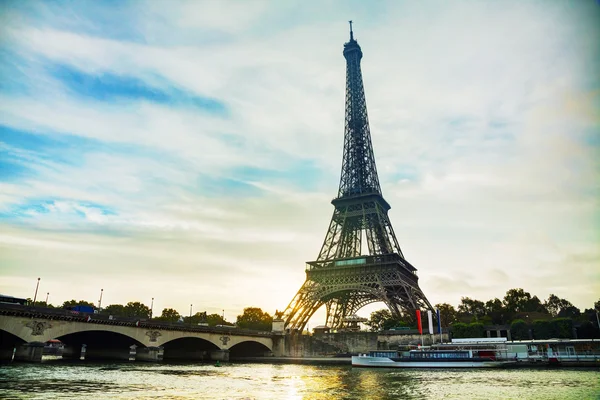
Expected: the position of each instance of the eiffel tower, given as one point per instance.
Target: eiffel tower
(342, 278)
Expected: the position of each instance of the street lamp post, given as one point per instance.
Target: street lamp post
(223, 318)
(190, 314)
(36, 290)
(100, 301)
(151, 307)
(47, 294)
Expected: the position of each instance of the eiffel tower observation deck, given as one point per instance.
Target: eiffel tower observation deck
(344, 278)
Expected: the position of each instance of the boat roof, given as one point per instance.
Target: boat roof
(476, 340)
(532, 341)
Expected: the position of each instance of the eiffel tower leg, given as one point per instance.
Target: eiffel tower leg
(407, 300)
(346, 304)
(332, 307)
(340, 312)
(351, 303)
(302, 307)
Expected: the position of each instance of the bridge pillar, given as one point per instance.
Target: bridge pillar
(74, 352)
(6, 354)
(152, 354)
(30, 352)
(219, 355)
(279, 345)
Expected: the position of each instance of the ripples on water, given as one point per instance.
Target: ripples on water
(59, 380)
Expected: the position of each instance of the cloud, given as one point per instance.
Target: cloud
(191, 152)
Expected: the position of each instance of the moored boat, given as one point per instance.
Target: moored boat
(426, 358)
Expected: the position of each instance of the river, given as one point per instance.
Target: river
(98, 381)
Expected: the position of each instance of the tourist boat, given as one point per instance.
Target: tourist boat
(426, 358)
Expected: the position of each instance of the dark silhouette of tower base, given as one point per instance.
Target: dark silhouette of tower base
(343, 278)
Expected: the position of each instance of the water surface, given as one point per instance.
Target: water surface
(61, 380)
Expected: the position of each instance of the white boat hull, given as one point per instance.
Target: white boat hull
(384, 362)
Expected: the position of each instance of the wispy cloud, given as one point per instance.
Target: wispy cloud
(193, 151)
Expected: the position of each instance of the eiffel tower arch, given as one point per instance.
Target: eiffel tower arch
(343, 279)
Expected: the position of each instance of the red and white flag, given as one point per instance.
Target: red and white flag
(419, 322)
(89, 319)
(137, 323)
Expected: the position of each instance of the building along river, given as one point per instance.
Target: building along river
(58, 379)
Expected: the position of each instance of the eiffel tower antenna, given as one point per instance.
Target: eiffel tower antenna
(343, 279)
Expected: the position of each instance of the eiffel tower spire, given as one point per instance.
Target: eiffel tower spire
(344, 278)
(359, 174)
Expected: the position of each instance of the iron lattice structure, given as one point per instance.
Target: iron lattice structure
(342, 278)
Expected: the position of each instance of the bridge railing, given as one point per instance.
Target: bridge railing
(100, 318)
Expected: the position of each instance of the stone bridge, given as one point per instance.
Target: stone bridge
(25, 330)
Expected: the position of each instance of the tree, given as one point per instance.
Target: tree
(378, 319)
(393, 322)
(133, 309)
(555, 328)
(519, 330)
(382, 320)
(137, 309)
(459, 330)
(542, 329)
(569, 312)
(43, 304)
(518, 300)
(470, 307)
(447, 314)
(493, 306)
(216, 319)
(117, 310)
(535, 305)
(588, 330)
(201, 316)
(555, 305)
(562, 327)
(462, 330)
(495, 310)
(588, 315)
(196, 318)
(476, 330)
(255, 318)
(73, 303)
(169, 315)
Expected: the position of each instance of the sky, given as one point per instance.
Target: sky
(188, 151)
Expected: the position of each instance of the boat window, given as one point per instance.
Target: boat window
(388, 354)
(440, 354)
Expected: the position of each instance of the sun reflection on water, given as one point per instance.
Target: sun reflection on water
(61, 380)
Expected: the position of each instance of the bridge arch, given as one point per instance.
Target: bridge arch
(249, 348)
(73, 332)
(188, 348)
(99, 344)
(96, 336)
(10, 340)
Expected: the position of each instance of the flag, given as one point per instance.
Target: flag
(137, 323)
(89, 319)
(430, 321)
(439, 321)
(419, 322)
